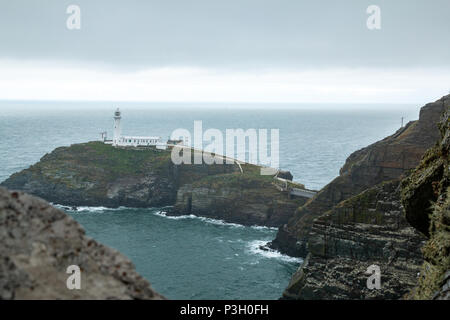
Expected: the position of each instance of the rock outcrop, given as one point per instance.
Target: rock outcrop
(39, 243)
(365, 230)
(426, 198)
(248, 199)
(384, 160)
(96, 174)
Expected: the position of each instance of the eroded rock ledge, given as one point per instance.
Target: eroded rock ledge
(39, 242)
(248, 199)
(368, 229)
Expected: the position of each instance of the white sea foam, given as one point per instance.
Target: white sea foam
(162, 213)
(90, 209)
(220, 222)
(204, 219)
(255, 248)
(263, 228)
(86, 208)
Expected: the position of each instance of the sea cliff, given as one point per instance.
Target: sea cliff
(388, 159)
(364, 230)
(386, 225)
(247, 199)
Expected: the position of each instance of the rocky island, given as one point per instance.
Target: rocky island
(97, 174)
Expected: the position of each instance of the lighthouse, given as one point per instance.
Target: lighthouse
(117, 131)
(131, 141)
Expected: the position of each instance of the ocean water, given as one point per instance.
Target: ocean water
(191, 257)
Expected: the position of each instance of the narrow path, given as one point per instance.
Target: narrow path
(292, 191)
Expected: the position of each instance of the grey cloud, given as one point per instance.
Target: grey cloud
(229, 33)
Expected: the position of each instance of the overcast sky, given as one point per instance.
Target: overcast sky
(228, 50)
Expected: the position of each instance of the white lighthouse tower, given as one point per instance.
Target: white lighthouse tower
(117, 130)
(131, 141)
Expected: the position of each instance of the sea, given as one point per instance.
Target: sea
(191, 257)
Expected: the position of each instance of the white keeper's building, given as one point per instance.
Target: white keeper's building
(131, 141)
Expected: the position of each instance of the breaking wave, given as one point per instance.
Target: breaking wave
(73, 209)
(211, 220)
(255, 247)
(204, 219)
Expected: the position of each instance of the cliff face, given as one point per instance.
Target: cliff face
(39, 242)
(95, 174)
(382, 161)
(367, 229)
(426, 198)
(247, 199)
(373, 228)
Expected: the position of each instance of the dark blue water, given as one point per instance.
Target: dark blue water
(194, 258)
(190, 257)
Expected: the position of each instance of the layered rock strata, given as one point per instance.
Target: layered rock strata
(384, 160)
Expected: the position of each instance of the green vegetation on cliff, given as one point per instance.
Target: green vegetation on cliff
(96, 156)
(98, 174)
(94, 173)
(249, 178)
(426, 198)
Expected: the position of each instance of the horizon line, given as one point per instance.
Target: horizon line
(211, 102)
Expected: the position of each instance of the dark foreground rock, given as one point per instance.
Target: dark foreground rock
(38, 243)
(384, 160)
